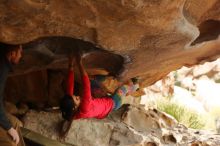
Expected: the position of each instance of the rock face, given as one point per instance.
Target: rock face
(128, 126)
(146, 38)
(37, 89)
(126, 38)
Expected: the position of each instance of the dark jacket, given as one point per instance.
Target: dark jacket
(5, 68)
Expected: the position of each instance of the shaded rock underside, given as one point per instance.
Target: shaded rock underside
(139, 38)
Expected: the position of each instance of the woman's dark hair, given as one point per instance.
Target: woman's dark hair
(67, 107)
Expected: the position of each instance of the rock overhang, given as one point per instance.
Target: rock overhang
(152, 37)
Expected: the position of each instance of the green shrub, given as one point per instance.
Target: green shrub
(177, 83)
(172, 109)
(194, 121)
(182, 115)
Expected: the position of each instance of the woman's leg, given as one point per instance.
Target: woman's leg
(107, 83)
(121, 93)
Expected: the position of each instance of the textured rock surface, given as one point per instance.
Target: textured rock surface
(152, 37)
(28, 88)
(128, 126)
(127, 38)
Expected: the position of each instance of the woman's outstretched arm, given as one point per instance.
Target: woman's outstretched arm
(70, 80)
